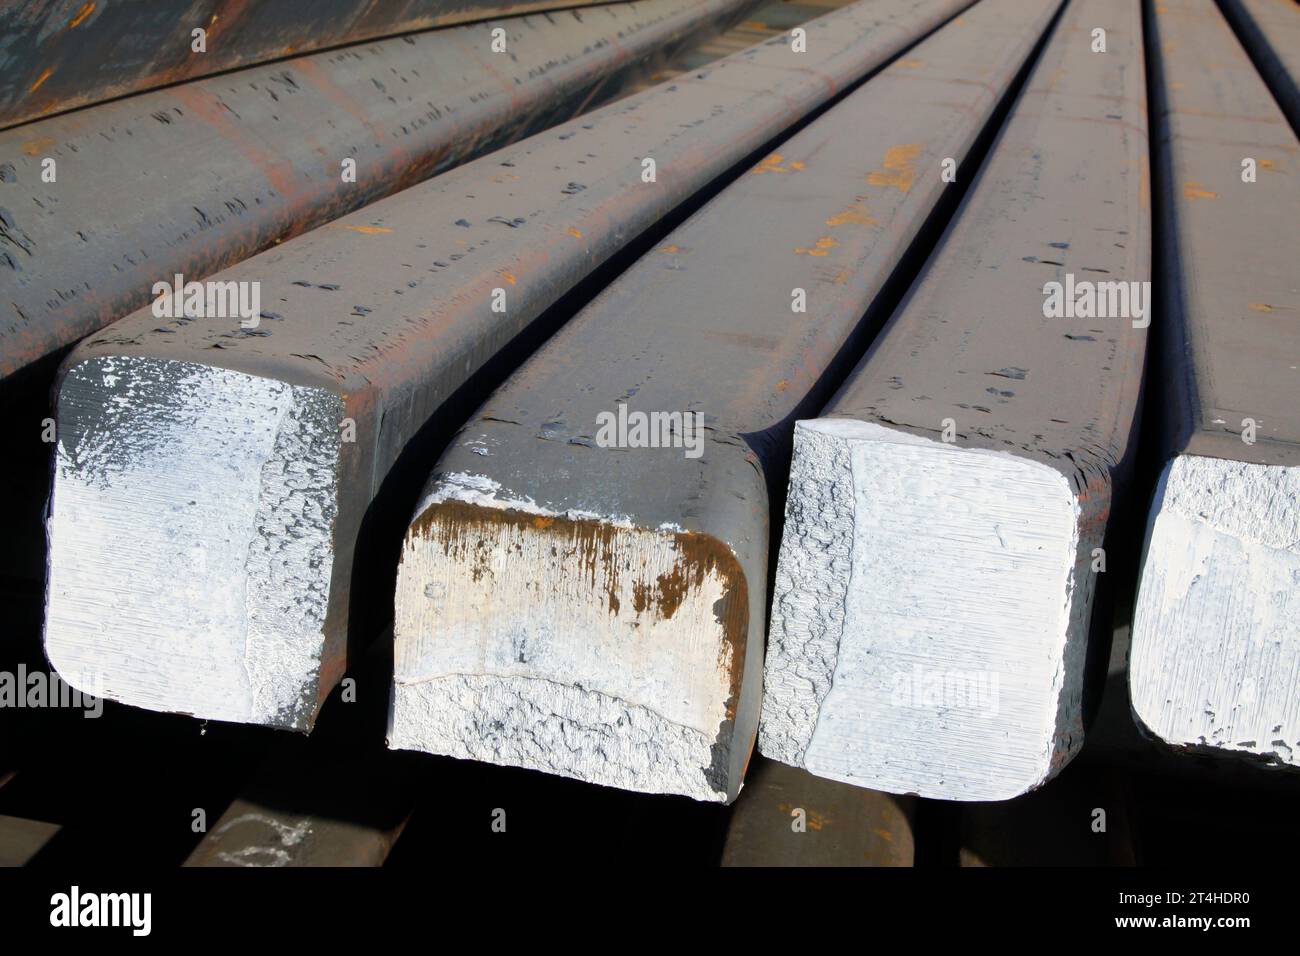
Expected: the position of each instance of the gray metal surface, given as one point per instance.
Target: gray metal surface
(1229, 271)
(59, 54)
(1270, 31)
(194, 178)
(390, 310)
(703, 325)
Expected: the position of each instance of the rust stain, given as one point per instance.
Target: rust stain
(86, 10)
(775, 164)
(854, 215)
(468, 529)
(1193, 190)
(575, 233)
(899, 167)
(671, 247)
(782, 385)
(34, 147)
(364, 230)
(509, 277)
(821, 248)
(1264, 307)
(911, 64)
(49, 72)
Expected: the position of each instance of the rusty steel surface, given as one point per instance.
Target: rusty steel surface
(390, 308)
(194, 178)
(1231, 248)
(1270, 31)
(785, 816)
(59, 54)
(702, 325)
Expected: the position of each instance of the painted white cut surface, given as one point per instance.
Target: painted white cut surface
(191, 538)
(1216, 630)
(930, 616)
(542, 646)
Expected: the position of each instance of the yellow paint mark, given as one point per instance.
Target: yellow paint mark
(899, 166)
(911, 64)
(671, 247)
(38, 145)
(1198, 191)
(366, 230)
(86, 10)
(843, 276)
(575, 233)
(854, 215)
(49, 72)
(821, 248)
(509, 277)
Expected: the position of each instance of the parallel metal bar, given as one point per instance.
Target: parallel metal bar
(1216, 631)
(1270, 31)
(226, 587)
(583, 590)
(98, 205)
(936, 578)
(788, 817)
(58, 55)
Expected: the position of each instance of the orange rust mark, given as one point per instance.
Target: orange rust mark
(842, 277)
(1194, 190)
(773, 164)
(899, 167)
(509, 277)
(279, 172)
(365, 230)
(1264, 307)
(782, 385)
(1267, 164)
(911, 64)
(38, 145)
(884, 834)
(86, 10)
(671, 247)
(575, 233)
(854, 215)
(821, 248)
(542, 522)
(49, 72)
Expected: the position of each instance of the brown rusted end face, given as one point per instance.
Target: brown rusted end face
(630, 587)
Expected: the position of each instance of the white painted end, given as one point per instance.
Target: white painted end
(930, 616)
(574, 645)
(1215, 663)
(191, 538)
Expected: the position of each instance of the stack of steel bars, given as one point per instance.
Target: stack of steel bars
(848, 414)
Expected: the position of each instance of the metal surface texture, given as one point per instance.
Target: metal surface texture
(59, 54)
(1216, 626)
(1270, 31)
(371, 324)
(788, 817)
(568, 585)
(129, 205)
(935, 582)
(1229, 271)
